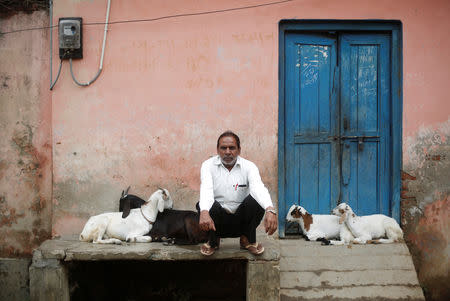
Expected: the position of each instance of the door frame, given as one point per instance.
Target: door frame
(394, 29)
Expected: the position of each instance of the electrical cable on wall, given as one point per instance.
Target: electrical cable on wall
(57, 76)
(51, 26)
(52, 83)
(102, 56)
(71, 29)
(159, 18)
(50, 13)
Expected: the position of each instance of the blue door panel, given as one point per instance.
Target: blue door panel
(309, 180)
(365, 120)
(360, 190)
(367, 186)
(311, 122)
(337, 122)
(325, 176)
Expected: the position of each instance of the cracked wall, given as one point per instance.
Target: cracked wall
(426, 206)
(25, 147)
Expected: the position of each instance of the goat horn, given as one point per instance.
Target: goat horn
(163, 191)
(342, 218)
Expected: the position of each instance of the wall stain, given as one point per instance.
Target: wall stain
(425, 207)
(3, 167)
(30, 166)
(8, 216)
(4, 81)
(428, 241)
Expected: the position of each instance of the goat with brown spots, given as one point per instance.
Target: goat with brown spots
(320, 227)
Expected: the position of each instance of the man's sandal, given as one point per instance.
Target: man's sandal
(255, 248)
(207, 250)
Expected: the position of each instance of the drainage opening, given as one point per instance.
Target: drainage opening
(221, 280)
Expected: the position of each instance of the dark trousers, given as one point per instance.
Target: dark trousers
(243, 222)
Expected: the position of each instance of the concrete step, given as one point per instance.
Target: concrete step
(374, 292)
(346, 263)
(307, 280)
(310, 271)
(291, 248)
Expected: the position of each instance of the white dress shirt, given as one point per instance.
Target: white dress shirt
(230, 188)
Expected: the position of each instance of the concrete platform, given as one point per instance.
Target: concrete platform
(290, 269)
(310, 271)
(49, 277)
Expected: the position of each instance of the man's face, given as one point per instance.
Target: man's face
(228, 151)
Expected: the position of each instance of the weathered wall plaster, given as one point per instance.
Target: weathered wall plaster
(14, 279)
(25, 126)
(170, 86)
(426, 207)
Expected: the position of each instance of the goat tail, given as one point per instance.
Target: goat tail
(395, 233)
(85, 238)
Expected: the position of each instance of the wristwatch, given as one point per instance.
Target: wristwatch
(271, 211)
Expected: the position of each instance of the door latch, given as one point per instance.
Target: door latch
(360, 144)
(345, 123)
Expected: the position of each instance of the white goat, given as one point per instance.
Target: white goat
(320, 226)
(369, 227)
(111, 228)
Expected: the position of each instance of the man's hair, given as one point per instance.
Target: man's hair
(230, 134)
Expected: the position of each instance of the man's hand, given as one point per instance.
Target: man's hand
(270, 222)
(206, 223)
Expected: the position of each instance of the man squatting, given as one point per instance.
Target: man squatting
(233, 199)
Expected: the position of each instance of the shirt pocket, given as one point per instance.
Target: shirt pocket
(241, 190)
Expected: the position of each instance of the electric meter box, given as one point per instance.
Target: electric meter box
(70, 38)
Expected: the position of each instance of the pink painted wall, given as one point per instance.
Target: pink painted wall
(25, 144)
(170, 86)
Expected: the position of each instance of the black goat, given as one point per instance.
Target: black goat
(174, 226)
(179, 227)
(128, 202)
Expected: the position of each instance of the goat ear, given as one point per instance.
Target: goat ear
(126, 207)
(342, 218)
(296, 213)
(161, 205)
(165, 196)
(121, 196)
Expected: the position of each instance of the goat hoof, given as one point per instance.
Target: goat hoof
(169, 242)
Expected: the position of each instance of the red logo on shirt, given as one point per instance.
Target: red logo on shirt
(237, 185)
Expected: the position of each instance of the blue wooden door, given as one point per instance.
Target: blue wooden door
(337, 121)
(365, 122)
(311, 122)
